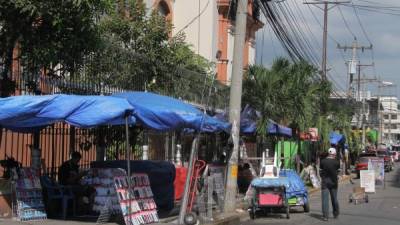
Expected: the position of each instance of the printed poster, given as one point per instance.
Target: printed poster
(378, 166)
(367, 180)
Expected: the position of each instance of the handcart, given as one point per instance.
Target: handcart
(358, 196)
(296, 193)
(269, 193)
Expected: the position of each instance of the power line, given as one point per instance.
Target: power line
(366, 36)
(194, 19)
(345, 22)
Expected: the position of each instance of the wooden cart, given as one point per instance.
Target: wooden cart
(358, 196)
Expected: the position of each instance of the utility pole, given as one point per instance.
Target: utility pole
(325, 34)
(353, 66)
(354, 63)
(235, 104)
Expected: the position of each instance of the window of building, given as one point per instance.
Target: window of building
(387, 126)
(394, 117)
(394, 126)
(386, 116)
(163, 9)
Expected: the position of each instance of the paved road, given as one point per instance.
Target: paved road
(384, 207)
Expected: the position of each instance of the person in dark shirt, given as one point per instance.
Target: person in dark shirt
(68, 173)
(329, 183)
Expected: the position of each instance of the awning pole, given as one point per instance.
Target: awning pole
(128, 161)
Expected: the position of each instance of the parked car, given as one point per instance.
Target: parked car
(387, 159)
(394, 155)
(362, 162)
(396, 149)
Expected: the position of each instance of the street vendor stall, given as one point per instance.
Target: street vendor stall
(32, 113)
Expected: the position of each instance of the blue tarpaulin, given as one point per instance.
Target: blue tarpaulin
(22, 113)
(336, 138)
(296, 186)
(164, 113)
(270, 182)
(248, 119)
(289, 178)
(279, 130)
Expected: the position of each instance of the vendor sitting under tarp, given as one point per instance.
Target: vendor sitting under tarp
(69, 175)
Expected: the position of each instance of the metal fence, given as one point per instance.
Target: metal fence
(58, 140)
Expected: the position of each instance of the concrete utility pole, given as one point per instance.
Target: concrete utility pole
(325, 34)
(354, 63)
(235, 104)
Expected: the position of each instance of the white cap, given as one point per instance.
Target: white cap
(332, 151)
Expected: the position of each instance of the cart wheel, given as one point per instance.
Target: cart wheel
(287, 212)
(306, 207)
(366, 199)
(350, 198)
(190, 219)
(252, 215)
(252, 212)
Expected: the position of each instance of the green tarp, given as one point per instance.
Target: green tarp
(290, 149)
(372, 136)
(289, 152)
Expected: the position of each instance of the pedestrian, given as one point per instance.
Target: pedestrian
(329, 184)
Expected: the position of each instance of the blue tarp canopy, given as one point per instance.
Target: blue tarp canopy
(248, 118)
(27, 113)
(336, 138)
(164, 113)
(279, 130)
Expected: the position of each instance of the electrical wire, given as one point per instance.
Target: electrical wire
(194, 19)
(366, 36)
(345, 22)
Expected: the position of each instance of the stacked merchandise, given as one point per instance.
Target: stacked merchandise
(28, 190)
(103, 181)
(137, 203)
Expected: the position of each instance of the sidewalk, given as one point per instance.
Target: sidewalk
(236, 218)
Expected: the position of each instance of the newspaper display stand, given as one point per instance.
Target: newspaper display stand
(105, 201)
(28, 193)
(136, 199)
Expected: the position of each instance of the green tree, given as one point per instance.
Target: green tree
(288, 93)
(137, 52)
(48, 33)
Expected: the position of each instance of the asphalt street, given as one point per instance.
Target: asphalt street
(383, 207)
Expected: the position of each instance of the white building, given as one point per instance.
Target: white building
(390, 119)
(209, 30)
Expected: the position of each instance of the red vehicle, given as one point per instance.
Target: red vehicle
(362, 162)
(383, 154)
(396, 150)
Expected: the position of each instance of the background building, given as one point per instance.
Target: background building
(209, 28)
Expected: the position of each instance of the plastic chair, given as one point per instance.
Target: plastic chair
(60, 193)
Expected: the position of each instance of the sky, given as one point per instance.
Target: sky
(381, 30)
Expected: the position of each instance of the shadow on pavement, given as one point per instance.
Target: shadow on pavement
(316, 216)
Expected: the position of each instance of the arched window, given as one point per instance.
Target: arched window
(164, 9)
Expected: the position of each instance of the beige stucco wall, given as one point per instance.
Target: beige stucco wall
(201, 31)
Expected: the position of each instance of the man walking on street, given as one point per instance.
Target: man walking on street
(329, 185)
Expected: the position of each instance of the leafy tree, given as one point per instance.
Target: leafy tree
(51, 34)
(137, 52)
(287, 93)
(291, 94)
